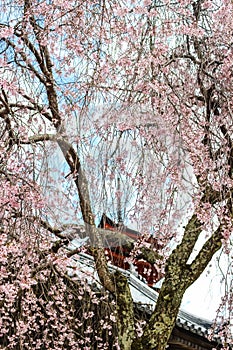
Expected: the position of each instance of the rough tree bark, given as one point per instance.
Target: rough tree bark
(180, 272)
(179, 275)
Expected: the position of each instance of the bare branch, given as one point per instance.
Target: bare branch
(28, 65)
(34, 106)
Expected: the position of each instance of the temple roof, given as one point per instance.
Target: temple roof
(190, 331)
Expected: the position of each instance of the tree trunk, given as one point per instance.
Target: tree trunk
(178, 277)
(125, 312)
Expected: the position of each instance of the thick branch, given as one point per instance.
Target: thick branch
(88, 217)
(185, 248)
(4, 114)
(33, 49)
(105, 276)
(38, 138)
(55, 230)
(211, 246)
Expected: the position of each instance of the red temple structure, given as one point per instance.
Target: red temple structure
(118, 254)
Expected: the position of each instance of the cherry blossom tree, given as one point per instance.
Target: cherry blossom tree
(116, 107)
